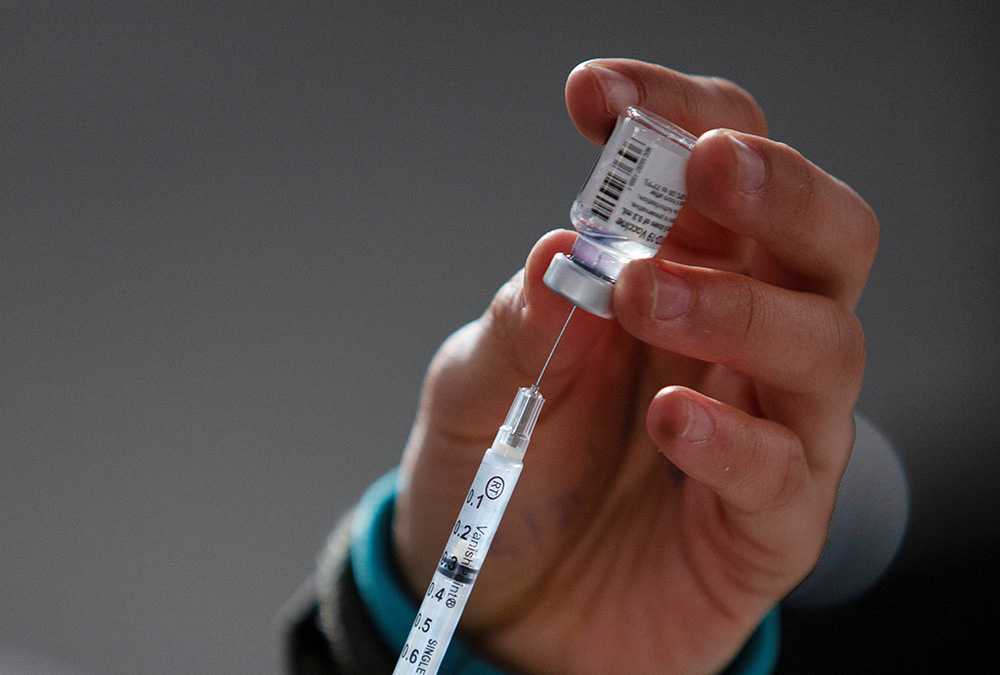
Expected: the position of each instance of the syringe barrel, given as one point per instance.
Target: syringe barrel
(459, 565)
(470, 540)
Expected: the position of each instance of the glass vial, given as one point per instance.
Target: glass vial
(625, 209)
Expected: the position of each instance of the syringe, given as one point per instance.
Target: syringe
(472, 534)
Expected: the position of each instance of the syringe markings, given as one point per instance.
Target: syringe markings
(460, 573)
(470, 540)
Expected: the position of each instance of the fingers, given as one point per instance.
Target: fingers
(772, 503)
(799, 343)
(753, 464)
(507, 347)
(597, 91)
(521, 332)
(804, 354)
(820, 235)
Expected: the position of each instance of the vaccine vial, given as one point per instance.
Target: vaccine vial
(625, 209)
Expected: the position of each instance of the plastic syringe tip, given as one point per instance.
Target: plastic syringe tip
(513, 437)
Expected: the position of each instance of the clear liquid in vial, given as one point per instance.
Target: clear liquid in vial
(633, 193)
(625, 209)
(601, 250)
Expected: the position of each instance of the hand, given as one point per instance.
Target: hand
(684, 469)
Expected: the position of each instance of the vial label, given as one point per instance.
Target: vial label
(636, 188)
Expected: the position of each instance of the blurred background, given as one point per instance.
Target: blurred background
(232, 234)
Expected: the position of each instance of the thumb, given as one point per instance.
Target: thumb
(480, 367)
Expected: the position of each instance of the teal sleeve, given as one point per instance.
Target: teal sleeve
(393, 609)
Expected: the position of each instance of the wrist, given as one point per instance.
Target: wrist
(392, 606)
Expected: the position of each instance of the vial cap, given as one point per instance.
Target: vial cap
(580, 286)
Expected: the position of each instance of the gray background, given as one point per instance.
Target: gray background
(233, 233)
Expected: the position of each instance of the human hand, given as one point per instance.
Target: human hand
(684, 469)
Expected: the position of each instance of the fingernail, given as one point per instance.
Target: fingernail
(671, 294)
(619, 91)
(700, 425)
(750, 168)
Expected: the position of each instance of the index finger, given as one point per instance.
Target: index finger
(598, 91)
(819, 235)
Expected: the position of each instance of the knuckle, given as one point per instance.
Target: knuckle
(857, 226)
(787, 483)
(746, 114)
(799, 342)
(853, 346)
(841, 349)
(504, 311)
(703, 103)
(868, 232)
(756, 307)
(800, 183)
(793, 196)
(773, 476)
(503, 322)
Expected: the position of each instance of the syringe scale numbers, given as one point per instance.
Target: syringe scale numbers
(470, 539)
(609, 238)
(463, 556)
(473, 531)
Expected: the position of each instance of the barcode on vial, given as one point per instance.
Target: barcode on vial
(618, 177)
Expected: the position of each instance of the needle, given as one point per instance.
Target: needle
(535, 386)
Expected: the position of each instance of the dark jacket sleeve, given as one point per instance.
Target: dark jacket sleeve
(325, 629)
